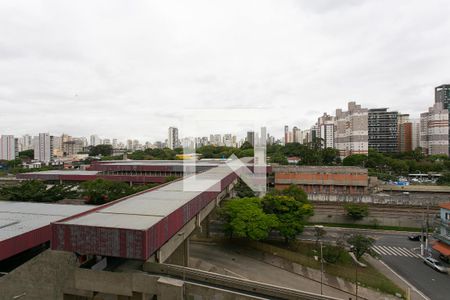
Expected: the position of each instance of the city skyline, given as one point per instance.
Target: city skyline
(76, 76)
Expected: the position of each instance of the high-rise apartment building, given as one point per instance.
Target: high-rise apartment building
(351, 136)
(415, 133)
(434, 130)
(296, 134)
(172, 140)
(383, 130)
(325, 126)
(73, 146)
(251, 137)
(286, 134)
(442, 95)
(8, 147)
(95, 140)
(229, 140)
(43, 150)
(115, 144)
(27, 142)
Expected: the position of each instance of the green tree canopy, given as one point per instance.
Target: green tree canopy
(244, 217)
(37, 191)
(291, 208)
(103, 150)
(27, 154)
(243, 191)
(356, 211)
(101, 191)
(361, 245)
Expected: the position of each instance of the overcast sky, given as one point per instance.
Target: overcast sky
(130, 69)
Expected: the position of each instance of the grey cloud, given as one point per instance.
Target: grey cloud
(122, 69)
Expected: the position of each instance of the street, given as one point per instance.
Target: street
(398, 256)
(401, 255)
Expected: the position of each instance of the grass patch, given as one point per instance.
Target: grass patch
(366, 226)
(303, 252)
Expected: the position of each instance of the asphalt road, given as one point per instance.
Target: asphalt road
(398, 256)
(401, 255)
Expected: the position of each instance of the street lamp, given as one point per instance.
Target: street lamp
(321, 269)
(319, 233)
(352, 249)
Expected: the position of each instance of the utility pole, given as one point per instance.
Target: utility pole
(427, 228)
(356, 280)
(321, 269)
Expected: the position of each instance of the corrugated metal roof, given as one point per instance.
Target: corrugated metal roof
(17, 218)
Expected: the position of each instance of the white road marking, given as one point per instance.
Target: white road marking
(395, 251)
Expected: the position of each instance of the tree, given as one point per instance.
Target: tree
(246, 145)
(444, 179)
(357, 211)
(294, 191)
(242, 190)
(333, 254)
(330, 156)
(101, 191)
(359, 160)
(103, 150)
(291, 208)
(278, 158)
(37, 191)
(319, 232)
(361, 245)
(27, 154)
(244, 217)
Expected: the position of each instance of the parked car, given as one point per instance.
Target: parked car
(444, 258)
(435, 264)
(416, 237)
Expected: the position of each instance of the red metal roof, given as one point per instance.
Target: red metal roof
(139, 225)
(445, 205)
(442, 248)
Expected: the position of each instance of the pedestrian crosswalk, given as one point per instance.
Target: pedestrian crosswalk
(395, 251)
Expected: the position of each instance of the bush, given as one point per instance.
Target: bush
(357, 211)
(333, 254)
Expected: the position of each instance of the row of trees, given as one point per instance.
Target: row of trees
(284, 211)
(96, 192)
(389, 166)
(309, 154)
(37, 191)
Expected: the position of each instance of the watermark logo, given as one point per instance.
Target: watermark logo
(207, 173)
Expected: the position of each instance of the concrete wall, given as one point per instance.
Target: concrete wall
(414, 199)
(44, 277)
(370, 220)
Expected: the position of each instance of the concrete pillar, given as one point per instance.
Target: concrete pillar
(170, 289)
(206, 227)
(181, 255)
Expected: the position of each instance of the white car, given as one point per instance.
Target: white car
(435, 264)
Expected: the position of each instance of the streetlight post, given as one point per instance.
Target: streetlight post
(321, 269)
(356, 276)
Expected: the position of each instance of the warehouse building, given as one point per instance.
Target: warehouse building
(323, 179)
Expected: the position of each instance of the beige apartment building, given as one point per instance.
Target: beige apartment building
(434, 130)
(351, 135)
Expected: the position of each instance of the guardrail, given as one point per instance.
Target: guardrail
(231, 283)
